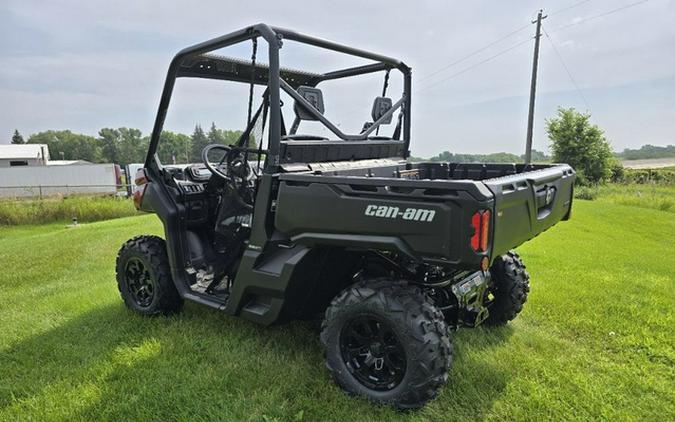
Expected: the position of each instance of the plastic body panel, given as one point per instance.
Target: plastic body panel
(529, 203)
(371, 213)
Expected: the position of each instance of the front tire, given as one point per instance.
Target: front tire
(385, 340)
(511, 284)
(144, 277)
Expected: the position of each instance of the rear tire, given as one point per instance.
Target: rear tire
(144, 277)
(385, 340)
(511, 284)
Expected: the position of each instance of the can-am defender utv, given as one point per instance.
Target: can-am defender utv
(392, 253)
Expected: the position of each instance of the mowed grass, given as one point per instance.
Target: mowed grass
(595, 340)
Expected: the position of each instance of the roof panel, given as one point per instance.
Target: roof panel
(22, 151)
(213, 66)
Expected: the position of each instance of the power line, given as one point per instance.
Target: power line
(474, 65)
(497, 41)
(618, 9)
(564, 9)
(569, 74)
(446, 67)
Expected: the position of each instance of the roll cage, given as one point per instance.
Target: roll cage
(196, 61)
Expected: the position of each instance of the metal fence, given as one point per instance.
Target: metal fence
(45, 191)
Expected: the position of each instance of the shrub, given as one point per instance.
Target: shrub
(575, 141)
(588, 193)
(617, 171)
(664, 176)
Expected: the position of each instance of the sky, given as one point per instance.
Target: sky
(92, 64)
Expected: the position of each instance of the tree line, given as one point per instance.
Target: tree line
(646, 152)
(573, 140)
(496, 157)
(128, 145)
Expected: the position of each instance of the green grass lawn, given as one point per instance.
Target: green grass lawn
(595, 340)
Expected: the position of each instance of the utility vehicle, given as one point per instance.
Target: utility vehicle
(392, 254)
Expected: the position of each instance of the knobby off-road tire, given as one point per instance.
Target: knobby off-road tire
(412, 343)
(511, 284)
(144, 277)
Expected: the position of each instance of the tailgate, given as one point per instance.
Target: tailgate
(528, 203)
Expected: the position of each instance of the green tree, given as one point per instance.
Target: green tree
(577, 142)
(66, 145)
(174, 145)
(216, 136)
(497, 157)
(17, 138)
(123, 145)
(647, 151)
(109, 140)
(132, 146)
(538, 157)
(198, 140)
(225, 137)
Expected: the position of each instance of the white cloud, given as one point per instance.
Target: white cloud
(85, 65)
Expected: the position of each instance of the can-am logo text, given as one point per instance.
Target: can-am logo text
(411, 214)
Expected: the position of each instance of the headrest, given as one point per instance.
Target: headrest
(381, 106)
(314, 96)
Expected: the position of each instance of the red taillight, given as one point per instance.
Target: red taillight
(484, 230)
(475, 239)
(480, 222)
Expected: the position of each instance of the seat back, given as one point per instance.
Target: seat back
(381, 105)
(312, 95)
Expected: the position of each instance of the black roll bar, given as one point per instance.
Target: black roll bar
(360, 137)
(274, 37)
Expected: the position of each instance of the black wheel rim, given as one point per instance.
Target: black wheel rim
(372, 352)
(139, 282)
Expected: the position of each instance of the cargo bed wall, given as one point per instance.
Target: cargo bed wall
(420, 218)
(397, 169)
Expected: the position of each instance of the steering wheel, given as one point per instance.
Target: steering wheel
(236, 163)
(216, 170)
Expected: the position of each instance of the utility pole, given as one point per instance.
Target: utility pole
(533, 88)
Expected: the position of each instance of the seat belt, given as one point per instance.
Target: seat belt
(384, 93)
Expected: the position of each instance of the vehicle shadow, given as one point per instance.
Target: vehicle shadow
(110, 363)
(477, 378)
(106, 355)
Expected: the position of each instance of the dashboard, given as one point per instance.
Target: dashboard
(190, 179)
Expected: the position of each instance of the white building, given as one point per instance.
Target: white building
(24, 155)
(27, 171)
